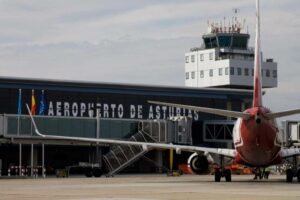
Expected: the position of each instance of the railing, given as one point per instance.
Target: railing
(13, 126)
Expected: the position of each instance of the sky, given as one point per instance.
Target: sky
(139, 41)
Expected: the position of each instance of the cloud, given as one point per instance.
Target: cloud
(92, 21)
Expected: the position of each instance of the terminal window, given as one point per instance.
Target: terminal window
(267, 73)
(193, 75)
(211, 56)
(187, 75)
(231, 70)
(186, 59)
(211, 72)
(226, 70)
(201, 74)
(239, 71)
(201, 57)
(193, 58)
(274, 74)
(220, 71)
(246, 72)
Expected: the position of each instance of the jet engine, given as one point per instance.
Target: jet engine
(200, 163)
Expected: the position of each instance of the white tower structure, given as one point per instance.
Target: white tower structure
(225, 60)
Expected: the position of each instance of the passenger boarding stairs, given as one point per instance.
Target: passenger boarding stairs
(121, 156)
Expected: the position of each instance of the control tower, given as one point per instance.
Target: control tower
(225, 60)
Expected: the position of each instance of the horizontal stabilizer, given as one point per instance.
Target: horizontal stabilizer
(221, 112)
(282, 114)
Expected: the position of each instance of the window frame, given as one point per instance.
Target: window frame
(220, 71)
(201, 57)
(187, 75)
(226, 71)
(192, 75)
(246, 71)
(232, 71)
(211, 55)
(211, 73)
(274, 73)
(192, 58)
(268, 73)
(187, 59)
(239, 71)
(201, 73)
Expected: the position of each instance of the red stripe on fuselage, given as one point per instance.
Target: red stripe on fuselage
(256, 101)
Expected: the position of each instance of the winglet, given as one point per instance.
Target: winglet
(33, 122)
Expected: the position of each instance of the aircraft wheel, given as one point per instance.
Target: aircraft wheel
(289, 175)
(88, 173)
(298, 175)
(227, 174)
(217, 175)
(97, 172)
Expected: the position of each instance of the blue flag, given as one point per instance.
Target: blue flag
(42, 104)
(20, 102)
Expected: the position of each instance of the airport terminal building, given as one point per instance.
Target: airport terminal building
(109, 102)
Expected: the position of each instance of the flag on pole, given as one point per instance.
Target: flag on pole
(20, 102)
(33, 105)
(42, 104)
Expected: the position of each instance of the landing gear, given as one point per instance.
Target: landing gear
(218, 175)
(222, 172)
(289, 175)
(90, 172)
(97, 172)
(227, 174)
(293, 172)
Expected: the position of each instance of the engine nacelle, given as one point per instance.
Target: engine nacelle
(200, 163)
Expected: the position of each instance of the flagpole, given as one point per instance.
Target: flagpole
(33, 111)
(42, 104)
(20, 145)
(42, 112)
(33, 104)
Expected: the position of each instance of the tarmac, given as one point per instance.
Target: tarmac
(141, 187)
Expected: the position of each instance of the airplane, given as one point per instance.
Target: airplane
(255, 133)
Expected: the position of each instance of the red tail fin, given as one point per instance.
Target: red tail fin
(257, 94)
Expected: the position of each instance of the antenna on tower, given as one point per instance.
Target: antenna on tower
(236, 10)
(236, 25)
(224, 24)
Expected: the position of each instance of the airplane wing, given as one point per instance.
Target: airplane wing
(227, 113)
(285, 153)
(145, 145)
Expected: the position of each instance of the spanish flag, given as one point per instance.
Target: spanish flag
(33, 105)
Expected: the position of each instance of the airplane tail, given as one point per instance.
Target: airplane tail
(257, 93)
